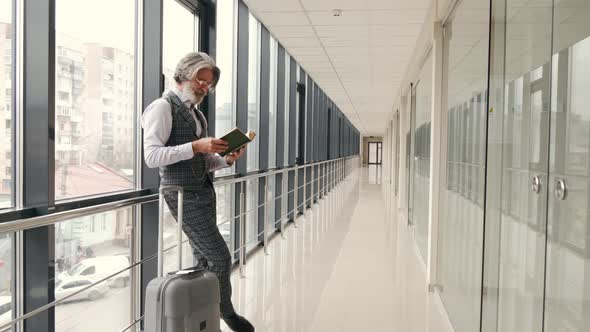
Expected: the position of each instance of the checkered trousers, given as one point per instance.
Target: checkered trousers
(209, 248)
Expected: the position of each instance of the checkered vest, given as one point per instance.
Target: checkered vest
(191, 174)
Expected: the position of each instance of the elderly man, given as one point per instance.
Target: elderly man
(175, 140)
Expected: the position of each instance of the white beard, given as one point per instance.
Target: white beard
(190, 95)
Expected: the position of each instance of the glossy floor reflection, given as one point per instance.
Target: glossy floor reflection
(346, 267)
(374, 174)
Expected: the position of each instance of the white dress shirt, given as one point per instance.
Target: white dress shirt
(156, 121)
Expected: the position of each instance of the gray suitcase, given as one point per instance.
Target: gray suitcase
(182, 301)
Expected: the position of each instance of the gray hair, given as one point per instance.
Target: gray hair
(190, 64)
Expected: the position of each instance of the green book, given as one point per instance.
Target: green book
(236, 139)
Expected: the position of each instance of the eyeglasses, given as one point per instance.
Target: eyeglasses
(209, 85)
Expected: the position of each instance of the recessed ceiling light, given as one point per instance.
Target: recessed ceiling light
(337, 12)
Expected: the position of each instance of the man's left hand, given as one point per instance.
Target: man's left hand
(232, 157)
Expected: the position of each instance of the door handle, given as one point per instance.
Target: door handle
(560, 189)
(536, 184)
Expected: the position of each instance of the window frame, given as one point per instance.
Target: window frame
(273, 101)
(258, 90)
(234, 89)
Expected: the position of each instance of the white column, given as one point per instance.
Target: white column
(438, 144)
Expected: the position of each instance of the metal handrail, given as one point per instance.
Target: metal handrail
(223, 182)
(49, 219)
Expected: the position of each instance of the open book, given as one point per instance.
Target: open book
(236, 139)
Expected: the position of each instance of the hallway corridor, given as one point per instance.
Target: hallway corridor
(346, 267)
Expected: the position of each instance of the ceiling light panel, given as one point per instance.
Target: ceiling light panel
(348, 18)
(396, 17)
(294, 31)
(335, 31)
(328, 5)
(299, 51)
(275, 5)
(403, 30)
(271, 19)
(300, 42)
(397, 4)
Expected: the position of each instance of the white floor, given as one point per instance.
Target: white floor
(346, 267)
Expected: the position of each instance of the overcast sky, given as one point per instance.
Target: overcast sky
(108, 22)
(112, 23)
(5, 10)
(179, 32)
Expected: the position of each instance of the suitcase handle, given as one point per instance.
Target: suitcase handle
(164, 190)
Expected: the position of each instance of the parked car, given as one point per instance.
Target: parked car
(5, 309)
(101, 267)
(71, 285)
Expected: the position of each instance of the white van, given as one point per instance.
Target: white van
(100, 267)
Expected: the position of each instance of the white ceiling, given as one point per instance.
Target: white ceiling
(358, 58)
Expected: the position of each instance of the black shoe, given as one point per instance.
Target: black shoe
(238, 323)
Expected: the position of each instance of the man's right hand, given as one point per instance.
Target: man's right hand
(209, 145)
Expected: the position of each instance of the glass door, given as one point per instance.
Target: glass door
(375, 153)
(567, 295)
(543, 254)
(372, 153)
(524, 167)
(522, 245)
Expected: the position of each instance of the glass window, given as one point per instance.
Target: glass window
(272, 106)
(6, 133)
(251, 214)
(180, 36)
(6, 273)
(271, 221)
(460, 236)
(310, 100)
(224, 92)
(6, 150)
(93, 61)
(89, 271)
(296, 138)
(225, 206)
(421, 142)
(92, 248)
(5, 308)
(83, 283)
(171, 241)
(253, 89)
(287, 78)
